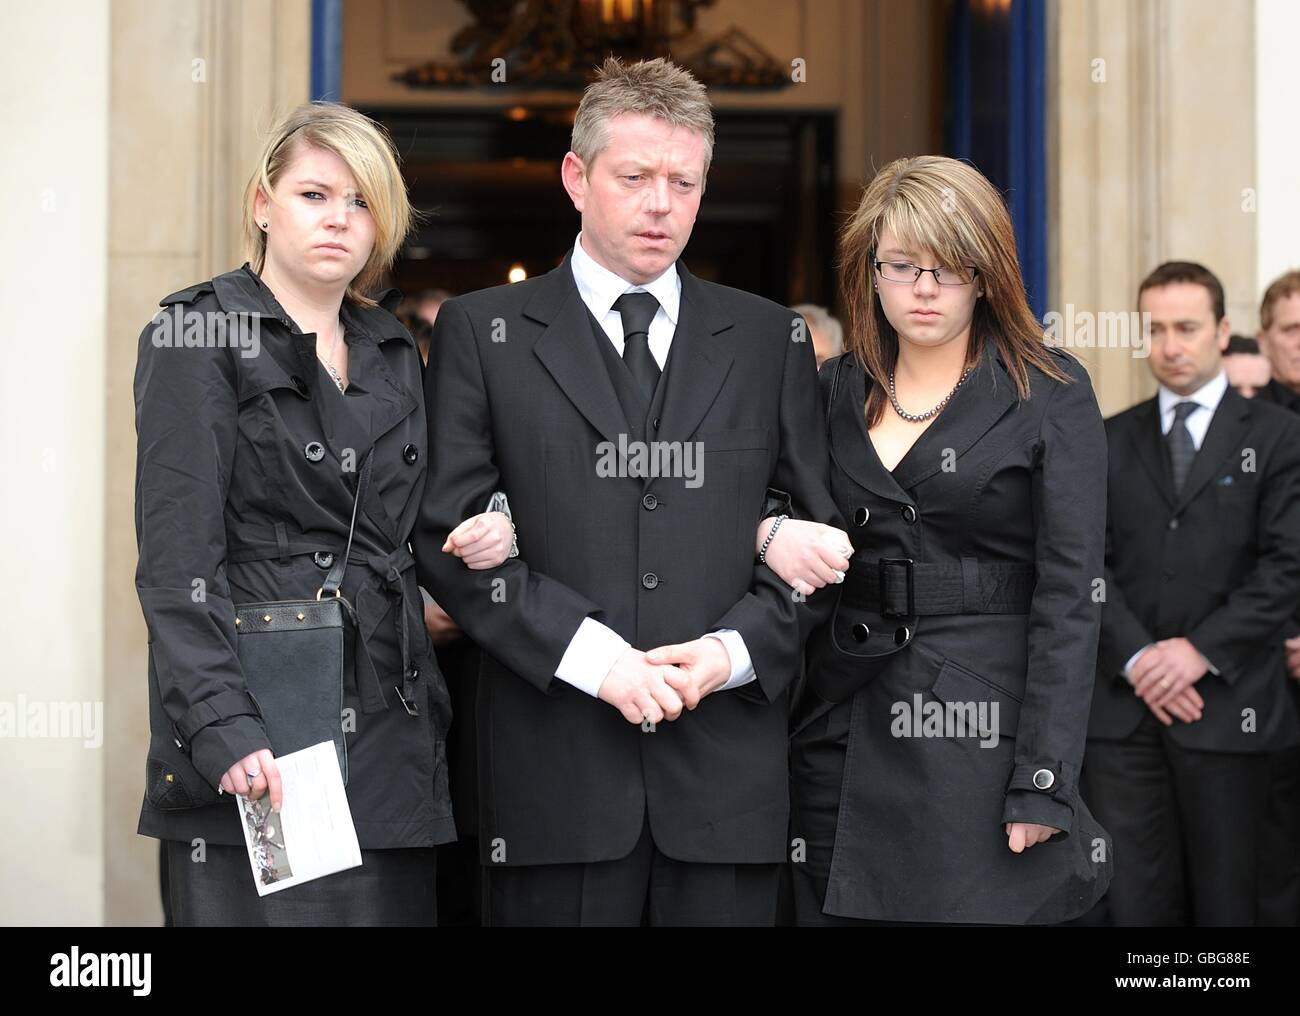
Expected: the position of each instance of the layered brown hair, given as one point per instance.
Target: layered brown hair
(947, 207)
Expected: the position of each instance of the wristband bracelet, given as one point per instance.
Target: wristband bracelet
(771, 533)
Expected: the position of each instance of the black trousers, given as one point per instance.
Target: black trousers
(390, 888)
(1185, 826)
(1279, 844)
(644, 888)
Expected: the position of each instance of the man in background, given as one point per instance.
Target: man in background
(1202, 578)
(1247, 368)
(826, 330)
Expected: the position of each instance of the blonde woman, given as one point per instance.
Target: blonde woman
(935, 753)
(259, 394)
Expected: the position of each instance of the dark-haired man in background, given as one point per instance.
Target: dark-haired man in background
(1202, 578)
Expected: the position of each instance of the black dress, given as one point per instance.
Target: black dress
(949, 693)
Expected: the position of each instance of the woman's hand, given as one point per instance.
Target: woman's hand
(253, 775)
(438, 623)
(1023, 835)
(483, 541)
(806, 555)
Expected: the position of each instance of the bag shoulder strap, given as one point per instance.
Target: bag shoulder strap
(334, 580)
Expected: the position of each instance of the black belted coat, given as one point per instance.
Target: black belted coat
(970, 597)
(246, 472)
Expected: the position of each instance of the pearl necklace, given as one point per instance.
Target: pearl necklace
(920, 418)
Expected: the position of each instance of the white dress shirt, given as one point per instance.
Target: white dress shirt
(595, 647)
(1207, 399)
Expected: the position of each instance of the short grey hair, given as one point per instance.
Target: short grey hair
(654, 87)
(821, 320)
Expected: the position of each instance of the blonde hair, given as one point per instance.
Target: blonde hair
(369, 154)
(654, 87)
(945, 206)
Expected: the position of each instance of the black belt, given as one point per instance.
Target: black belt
(389, 568)
(901, 587)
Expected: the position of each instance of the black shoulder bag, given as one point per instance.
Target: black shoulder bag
(291, 654)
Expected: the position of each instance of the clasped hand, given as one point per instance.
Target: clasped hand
(650, 687)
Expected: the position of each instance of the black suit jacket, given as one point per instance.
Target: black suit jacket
(1218, 564)
(521, 400)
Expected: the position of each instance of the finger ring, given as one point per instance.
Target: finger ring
(253, 774)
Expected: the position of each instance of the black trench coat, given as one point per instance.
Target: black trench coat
(241, 482)
(1000, 506)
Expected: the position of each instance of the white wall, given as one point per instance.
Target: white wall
(1277, 141)
(54, 175)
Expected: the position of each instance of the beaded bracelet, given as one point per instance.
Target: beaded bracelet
(771, 533)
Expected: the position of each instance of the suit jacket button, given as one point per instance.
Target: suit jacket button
(1044, 778)
(860, 632)
(650, 502)
(860, 516)
(909, 514)
(300, 385)
(323, 559)
(1173, 523)
(650, 580)
(314, 450)
(410, 453)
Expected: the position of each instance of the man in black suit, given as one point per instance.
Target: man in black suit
(1279, 886)
(1202, 576)
(635, 416)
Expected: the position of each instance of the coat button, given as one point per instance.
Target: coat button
(300, 385)
(650, 502)
(655, 423)
(410, 453)
(650, 580)
(901, 635)
(315, 451)
(323, 559)
(1044, 778)
(909, 514)
(860, 632)
(860, 516)
(1173, 523)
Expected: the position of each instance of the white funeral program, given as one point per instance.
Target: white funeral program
(312, 835)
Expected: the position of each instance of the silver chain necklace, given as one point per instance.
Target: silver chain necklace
(920, 418)
(329, 367)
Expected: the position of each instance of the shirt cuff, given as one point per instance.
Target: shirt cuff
(1128, 667)
(593, 650)
(742, 668)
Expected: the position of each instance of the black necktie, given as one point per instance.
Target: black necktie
(1181, 448)
(637, 311)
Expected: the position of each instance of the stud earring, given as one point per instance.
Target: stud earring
(266, 225)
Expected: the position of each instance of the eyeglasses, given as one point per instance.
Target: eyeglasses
(906, 272)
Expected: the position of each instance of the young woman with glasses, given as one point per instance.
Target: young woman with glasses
(936, 747)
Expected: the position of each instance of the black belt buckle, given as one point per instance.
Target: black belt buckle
(886, 610)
